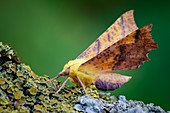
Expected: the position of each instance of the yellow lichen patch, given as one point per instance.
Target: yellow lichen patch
(33, 75)
(19, 73)
(28, 68)
(18, 94)
(46, 78)
(7, 64)
(74, 90)
(45, 91)
(92, 91)
(37, 111)
(22, 110)
(4, 86)
(19, 85)
(13, 68)
(21, 78)
(33, 99)
(53, 101)
(67, 94)
(21, 101)
(39, 108)
(28, 98)
(10, 89)
(2, 81)
(16, 89)
(33, 90)
(7, 80)
(1, 109)
(46, 104)
(3, 101)
(41, 97)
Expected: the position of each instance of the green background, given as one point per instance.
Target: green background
(47, 34)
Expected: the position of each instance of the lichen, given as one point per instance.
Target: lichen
(121, 105)
(22, 91)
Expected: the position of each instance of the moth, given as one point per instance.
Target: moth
(123, 46)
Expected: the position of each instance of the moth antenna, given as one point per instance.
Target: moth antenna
(62, 86)
(63, 73)
(81, 83)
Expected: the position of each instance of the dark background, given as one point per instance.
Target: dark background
(47, 34)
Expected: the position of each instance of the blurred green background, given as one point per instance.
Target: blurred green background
(47, 34)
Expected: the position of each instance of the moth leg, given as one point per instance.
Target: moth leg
(82, 85)
(62, 86)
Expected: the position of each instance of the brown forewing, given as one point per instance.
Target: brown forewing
(122, 27)
(126, 54)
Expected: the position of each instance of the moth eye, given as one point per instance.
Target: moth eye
(67, 71)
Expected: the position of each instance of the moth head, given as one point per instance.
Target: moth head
(71, 67)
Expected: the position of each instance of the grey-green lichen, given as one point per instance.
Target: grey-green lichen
(22, 91)
(88, 104)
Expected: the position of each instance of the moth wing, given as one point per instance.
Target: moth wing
(122, 27)
(110, 81)
(126, 54)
